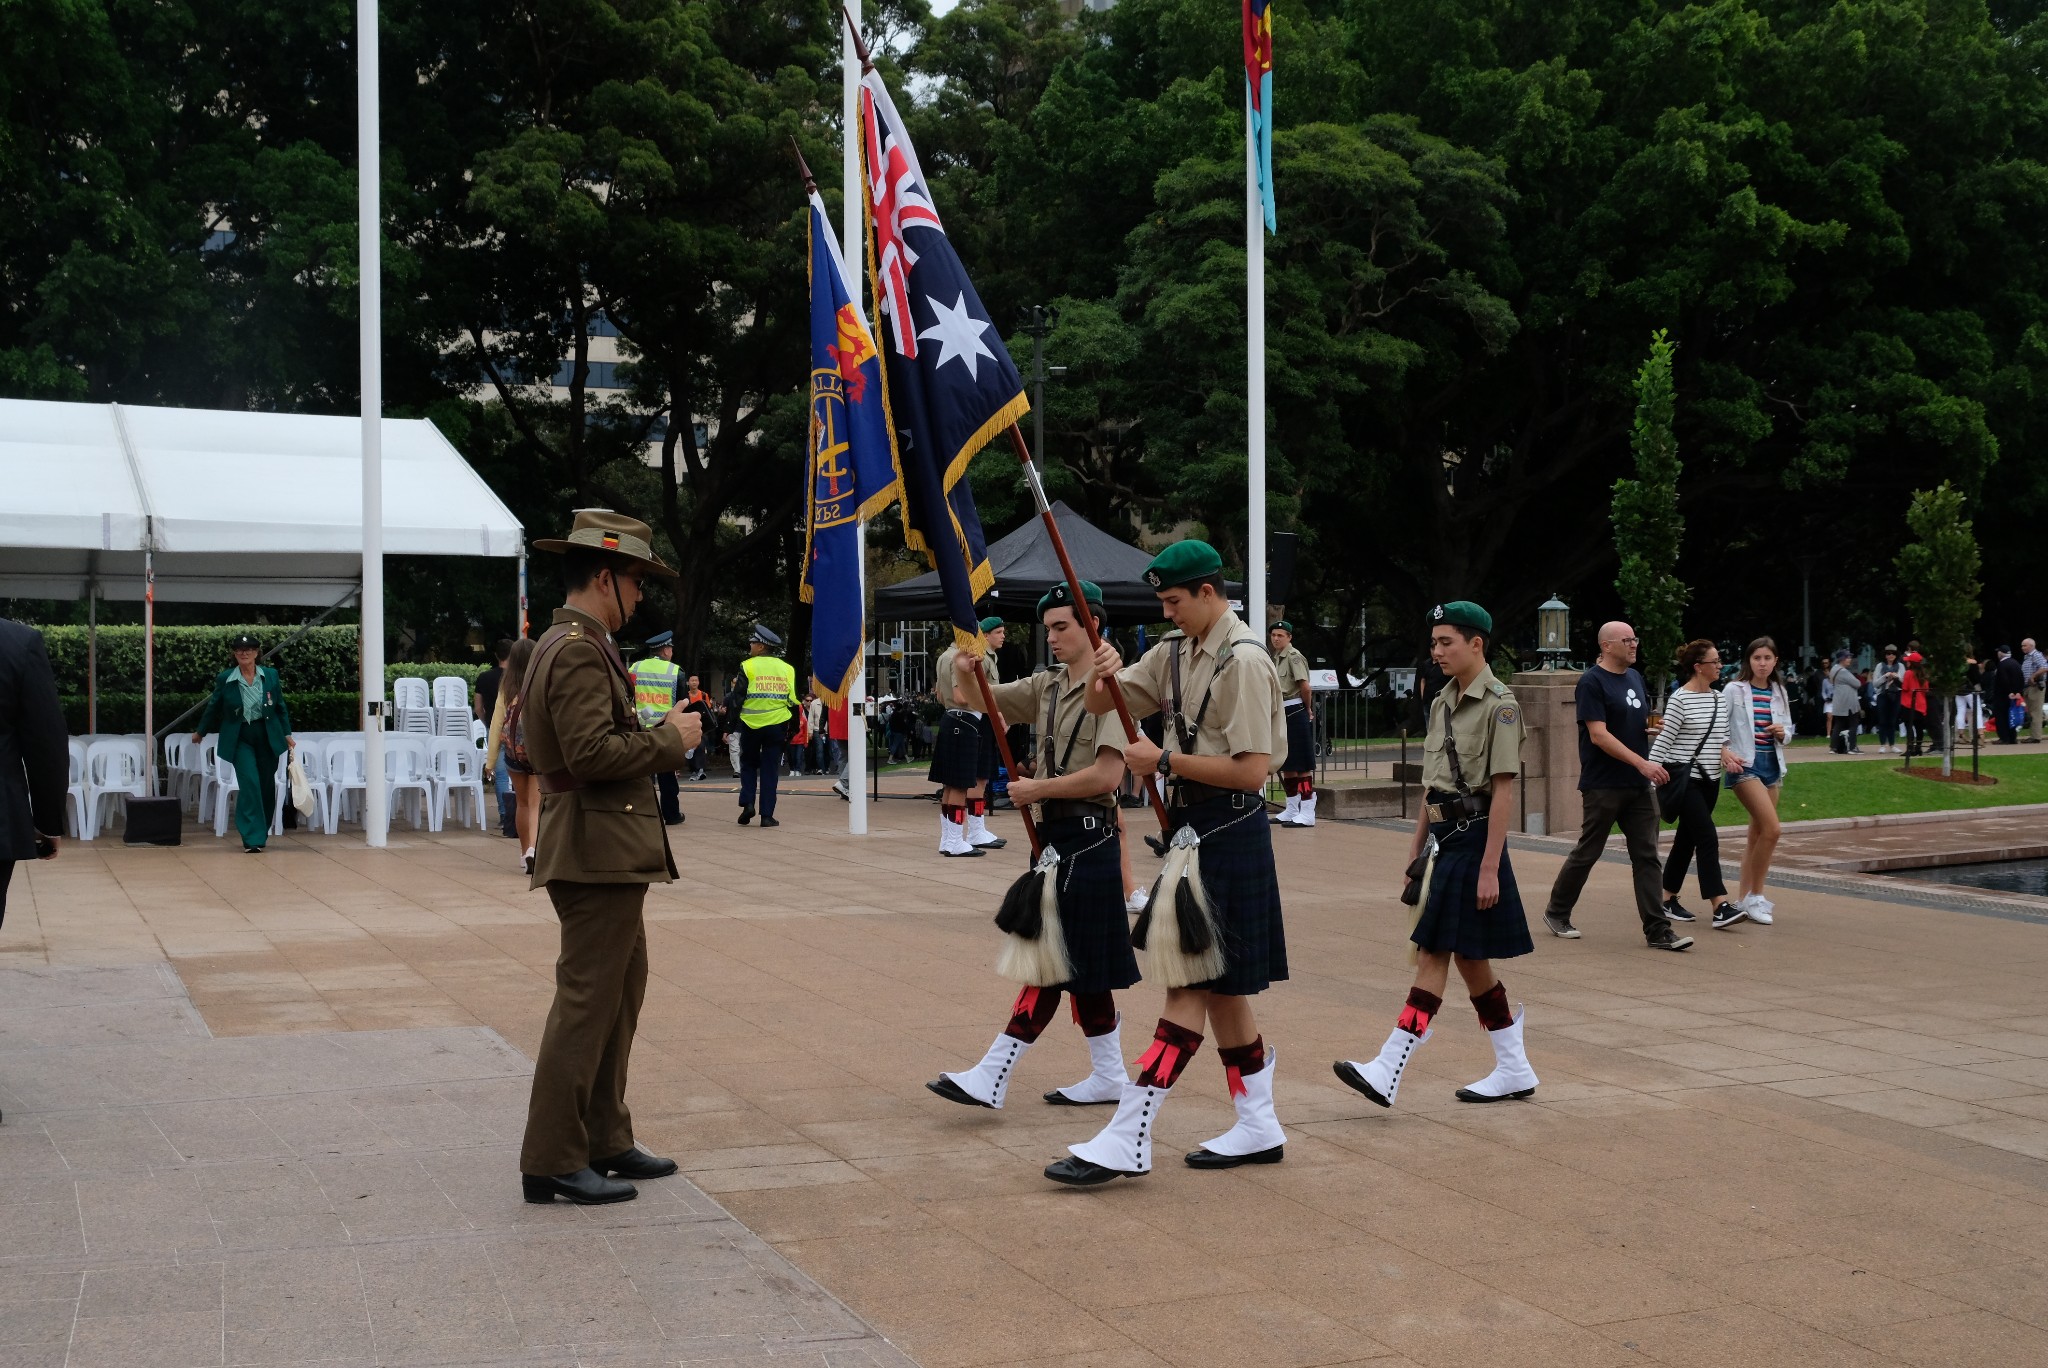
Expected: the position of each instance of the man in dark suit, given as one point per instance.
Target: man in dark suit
(35, 761)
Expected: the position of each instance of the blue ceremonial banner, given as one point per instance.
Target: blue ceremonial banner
(951, 383)
(852, 469)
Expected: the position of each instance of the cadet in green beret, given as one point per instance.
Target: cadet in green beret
(964, 751)
(1073, 800)
(1298, 770)
(1221, 699)
(1469, 909)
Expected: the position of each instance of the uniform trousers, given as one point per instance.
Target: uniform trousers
(577, 1111)
(1635, 812)
(6, 877)
(760, 761)
(256, 787)
(671, 807)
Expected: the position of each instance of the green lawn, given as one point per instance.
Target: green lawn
(1853, 788)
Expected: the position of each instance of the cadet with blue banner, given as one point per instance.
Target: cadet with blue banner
(657, 688)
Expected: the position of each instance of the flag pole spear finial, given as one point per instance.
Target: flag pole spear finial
(810, 182)
(860, 49)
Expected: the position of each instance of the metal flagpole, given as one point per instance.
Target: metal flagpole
(522, 591)
(851, 250)
(369, 237)
(1255, 377)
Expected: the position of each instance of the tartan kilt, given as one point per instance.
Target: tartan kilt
(1237, 871)
(1452, 921)
(955, 758)
(1301, 743)
(1091, 891)
(985, 756)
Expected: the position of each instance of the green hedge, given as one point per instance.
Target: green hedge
(189, 659)
(430, 670)
(122, 712)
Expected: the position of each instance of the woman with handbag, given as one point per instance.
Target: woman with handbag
(1689, 748)
(1759, 721)
(506, 745)
(248, 710)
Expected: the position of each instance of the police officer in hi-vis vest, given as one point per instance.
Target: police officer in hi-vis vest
(657, 690)
(601, 843)
(765, 709)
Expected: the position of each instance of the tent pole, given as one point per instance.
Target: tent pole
(92, 656)
(852, 217)
(149, 656)
(370, 320)
(521, 619)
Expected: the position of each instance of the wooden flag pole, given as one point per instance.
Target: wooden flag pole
(1059, 546)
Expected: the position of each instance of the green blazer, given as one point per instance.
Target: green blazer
(224, 711)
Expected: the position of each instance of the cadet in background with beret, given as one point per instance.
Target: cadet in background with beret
(1073, 797)
(1298, 770)
(1469, 909)
(602, 842)
(964, 750)
(1221, 700)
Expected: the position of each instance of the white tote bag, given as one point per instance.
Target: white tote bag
(302, 789)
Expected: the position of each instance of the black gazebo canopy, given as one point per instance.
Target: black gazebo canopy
(1026, 567)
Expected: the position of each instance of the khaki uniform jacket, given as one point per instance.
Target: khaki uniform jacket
(578, 716)
(946, 681)
(1244, 716)
(1485, 722)
(1292, 667)
(1072, 724)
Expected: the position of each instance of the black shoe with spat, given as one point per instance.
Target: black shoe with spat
(584, 1187)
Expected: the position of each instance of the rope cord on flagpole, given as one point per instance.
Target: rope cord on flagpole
(1059, 547)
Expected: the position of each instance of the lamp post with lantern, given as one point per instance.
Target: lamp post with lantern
(1553, 631)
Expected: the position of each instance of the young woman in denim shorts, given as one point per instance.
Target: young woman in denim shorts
(1759, 722)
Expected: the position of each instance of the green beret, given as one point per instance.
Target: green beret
(1462, 613)
(1061, 595)
(989, 624)
(1283, 625)
(1183, 563)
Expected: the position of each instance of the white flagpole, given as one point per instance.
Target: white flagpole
(852, 243)
(369, 235)
(1255, 379)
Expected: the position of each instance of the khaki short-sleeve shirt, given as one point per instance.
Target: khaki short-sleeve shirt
(1245, 715)
(1076, 734)
(944, 678)
(1292, 667)
(1486, 724)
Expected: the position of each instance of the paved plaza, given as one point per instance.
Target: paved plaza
(265, 1111)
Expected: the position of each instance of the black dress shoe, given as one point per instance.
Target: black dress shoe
(770, 822)
(953, 1092)
(746, 815)
(1075, 1171)
(997, 844)
(1352, 1078)
(584, 1187)
(1209, 1159)
(1060, 1099)
(635, 1163)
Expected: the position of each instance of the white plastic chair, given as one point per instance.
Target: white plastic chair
(458, 773)
(478, 733)
(345, 776)
(202, 764)
(113, 770)
(74, 796)
(451, 691)
(452, 721)
(313, 760)
(410, 691)
(225, 784)
(408, 770)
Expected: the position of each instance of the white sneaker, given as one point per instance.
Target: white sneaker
(1759, 908)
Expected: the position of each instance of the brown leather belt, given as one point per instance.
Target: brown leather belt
(1186, 793)
(1452, 808)
(1067, 809)
(560, 781)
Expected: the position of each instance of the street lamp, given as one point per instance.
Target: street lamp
(1553, 631)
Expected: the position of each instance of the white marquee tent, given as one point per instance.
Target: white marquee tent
(227, 507)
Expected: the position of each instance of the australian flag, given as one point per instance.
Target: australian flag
(951, 383)
(852, 469)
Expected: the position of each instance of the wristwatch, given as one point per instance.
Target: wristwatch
(1164, 769)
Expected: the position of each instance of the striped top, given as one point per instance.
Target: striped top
(1689, 716)
(1760, 718)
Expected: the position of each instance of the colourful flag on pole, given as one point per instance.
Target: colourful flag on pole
(951, 384)
(1258, 76)
(852, 468)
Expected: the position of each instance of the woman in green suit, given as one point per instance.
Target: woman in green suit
(247, 709)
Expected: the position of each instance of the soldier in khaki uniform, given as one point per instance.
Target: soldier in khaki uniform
(602, 841)
(1298, 770)
(1221, 699)
(1073, 800)
(964, 751)
(1469, 909)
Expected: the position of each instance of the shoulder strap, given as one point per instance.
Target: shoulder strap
(1223, 656)
(1451, 740)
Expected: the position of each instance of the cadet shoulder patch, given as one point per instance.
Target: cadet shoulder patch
(1507, 715)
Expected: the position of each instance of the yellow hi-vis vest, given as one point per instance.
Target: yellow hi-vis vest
(771, 691)
(654, 688)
